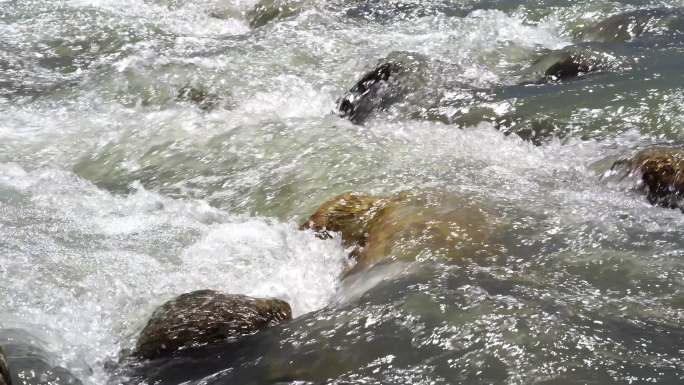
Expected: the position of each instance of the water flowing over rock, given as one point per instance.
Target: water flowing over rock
(204, 100)
(266, 11)
(661, 172)
(5, 378)
(29, 362)
(154, 148)
(388, 11)
(403, 226)
(637, 24)
(400, 77)
(206, 316)
(578, 60)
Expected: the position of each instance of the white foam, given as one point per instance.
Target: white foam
(89, 267)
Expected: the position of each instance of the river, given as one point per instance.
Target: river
(153, 147)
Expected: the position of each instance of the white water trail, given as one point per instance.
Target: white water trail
(86, 268)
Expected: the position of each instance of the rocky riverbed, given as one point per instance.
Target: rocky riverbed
(341, 192)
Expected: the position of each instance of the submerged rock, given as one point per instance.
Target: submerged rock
(266, 11)
(5, 378)
(204, 100)
(395, 77)
(634, 24)
(661, 170)
(383, 11)
(206, 316)
(406, 226)
(577, 60)
(561, 65)
(30, 362)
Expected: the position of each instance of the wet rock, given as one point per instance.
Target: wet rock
(395, 79)
(383, 11)
(562, 65)
(635, 24)
(574, 61)
(204, 317)
(5, 378)
(266, 11)
(30, 362)
(661, 171)
(406, 226)
(347, 214)
(204, 100)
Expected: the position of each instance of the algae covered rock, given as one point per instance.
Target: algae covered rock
(5, 378)
(414, 225)
(661, 171)
(206, 316)
(266, 11)
(408, 226)
(348, 214)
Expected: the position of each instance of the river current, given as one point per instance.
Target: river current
(119, 190)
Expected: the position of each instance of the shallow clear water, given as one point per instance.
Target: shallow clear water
(116, 195)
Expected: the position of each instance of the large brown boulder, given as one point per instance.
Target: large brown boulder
(661, 170)
(407, 226)
(5, 378)
(206, 316)
(348, 214)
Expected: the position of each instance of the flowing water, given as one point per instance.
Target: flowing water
(116, 194)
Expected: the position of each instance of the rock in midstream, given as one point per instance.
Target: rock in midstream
(407, 225)
(205, 100)
(576, 60)
(5, 378)
(383, 11)
(661, 174)
(207, 316)
(401, 78)
(636, 24)
(30, 362)
(266, 11)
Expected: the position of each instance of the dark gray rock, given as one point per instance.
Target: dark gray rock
(382, 11)
(207, 316)
(393, 80)
(5, 378)
(577, 60)
(31, 363)
(637, 24)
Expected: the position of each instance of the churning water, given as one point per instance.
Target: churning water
(119, 191)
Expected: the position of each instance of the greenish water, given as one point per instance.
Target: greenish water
(116, 194)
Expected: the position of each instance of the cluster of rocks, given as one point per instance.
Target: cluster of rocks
(606, 47)
(375, 227)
